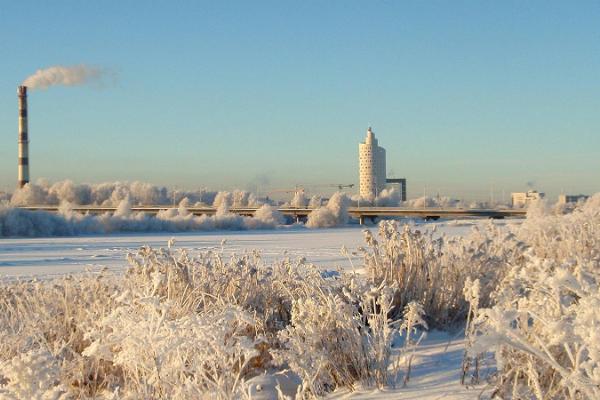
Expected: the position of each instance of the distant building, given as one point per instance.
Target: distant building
(401, 182)
(572, 198)
(524, 199)
(372, 172)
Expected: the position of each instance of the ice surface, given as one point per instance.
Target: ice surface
(61, 255)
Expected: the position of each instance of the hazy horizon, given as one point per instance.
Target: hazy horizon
(467, 98)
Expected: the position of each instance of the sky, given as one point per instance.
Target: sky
(471, 99)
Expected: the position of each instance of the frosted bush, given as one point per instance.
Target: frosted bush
(269, 216)
(389, 197)
(557, 236)
(124, 196)
(178, 326)
(335, 213)
(299, 200)
(223, 199)
(163, 355)
(107, 194)
(470, 364)
(432, 269)
(236, 199)
(32, 375)
(545, 324)
(413, 319)
(241, 198)
(315, 201)
(544, 329)
(18, 222)
(171, 327)
(32, 194)
(361, 352)
(427, 201)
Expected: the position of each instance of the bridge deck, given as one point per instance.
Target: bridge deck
(355, 212)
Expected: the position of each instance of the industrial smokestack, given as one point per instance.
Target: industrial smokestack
(23, 174)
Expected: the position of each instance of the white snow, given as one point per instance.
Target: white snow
(61, 255)
(435, 374)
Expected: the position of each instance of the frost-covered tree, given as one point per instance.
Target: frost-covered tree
(335, 213)
(545, 322)
(299, 200)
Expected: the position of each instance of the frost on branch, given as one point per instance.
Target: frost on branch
(545, 325)
(431, 269)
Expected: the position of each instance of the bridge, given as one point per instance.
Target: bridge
(299, 214)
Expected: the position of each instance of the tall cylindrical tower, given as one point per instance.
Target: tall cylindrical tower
(23, 172)
(366, 154)
(372, 174)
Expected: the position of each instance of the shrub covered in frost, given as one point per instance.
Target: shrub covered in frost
(545, 325)
(178, 326)
(431, 269)
(427, 201)
(19, 222)
(325, 364)
(113, 193)
(299, 200)
(335, 213)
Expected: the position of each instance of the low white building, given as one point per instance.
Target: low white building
(523, 199)
(572, 198)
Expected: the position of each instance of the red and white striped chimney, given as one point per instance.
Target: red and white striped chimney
(23, 174)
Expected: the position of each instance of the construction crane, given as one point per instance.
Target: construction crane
(340, 186)
(298, 188)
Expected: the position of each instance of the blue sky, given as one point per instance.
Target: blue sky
(466, 96)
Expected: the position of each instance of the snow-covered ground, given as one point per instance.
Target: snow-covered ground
(60, 255)
(435, 374)
(55, 256)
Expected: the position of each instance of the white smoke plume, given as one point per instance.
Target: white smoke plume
(74, 75)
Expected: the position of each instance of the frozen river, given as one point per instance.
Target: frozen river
(60, 255)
